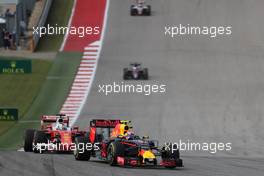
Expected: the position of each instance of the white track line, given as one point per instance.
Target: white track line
(86, 65)
(87, 62)
(91, 48)
(90, 53)
(83, 73)
(82, 76)
(89, 57)
(80, 85)
(21, 150)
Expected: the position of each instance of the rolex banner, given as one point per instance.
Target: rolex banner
(15, 66)
(8, 114)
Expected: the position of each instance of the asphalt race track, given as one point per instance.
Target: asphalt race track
(214, 89)
(214, 86)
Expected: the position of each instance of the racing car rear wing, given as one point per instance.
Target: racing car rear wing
(106, 123)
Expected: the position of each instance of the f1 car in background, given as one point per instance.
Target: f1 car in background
(55, 135)
(135, 72)
(140, 9)
(118, 145)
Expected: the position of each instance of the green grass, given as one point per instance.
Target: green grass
(48, 98)
(60, 13)
(19, 91)
(48, 101)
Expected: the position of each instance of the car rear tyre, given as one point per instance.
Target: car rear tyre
(28, 143)
(81, 154)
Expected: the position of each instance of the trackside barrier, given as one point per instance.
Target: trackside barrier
(42, 20)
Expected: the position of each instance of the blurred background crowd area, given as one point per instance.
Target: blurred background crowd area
(17, 18)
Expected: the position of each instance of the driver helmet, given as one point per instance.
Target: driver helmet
(60, 120)
(141, 2)
(130, 135)
(60, 124)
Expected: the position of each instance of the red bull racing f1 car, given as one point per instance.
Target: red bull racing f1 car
(118, 145)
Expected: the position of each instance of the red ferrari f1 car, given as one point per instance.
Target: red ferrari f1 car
(55, 135)
(118, 145)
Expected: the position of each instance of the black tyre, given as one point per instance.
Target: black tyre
(145, 73)
(125, 74)
(40, 137)
(175, 155)
(81, 154)
(149, 11)
(179, 162)
(115, 149)
(28, 142)
(133, 11)
(169, 155)
(155, 162)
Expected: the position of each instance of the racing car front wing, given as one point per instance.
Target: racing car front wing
(135, 162)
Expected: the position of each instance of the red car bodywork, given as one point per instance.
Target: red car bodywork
(63, 137)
